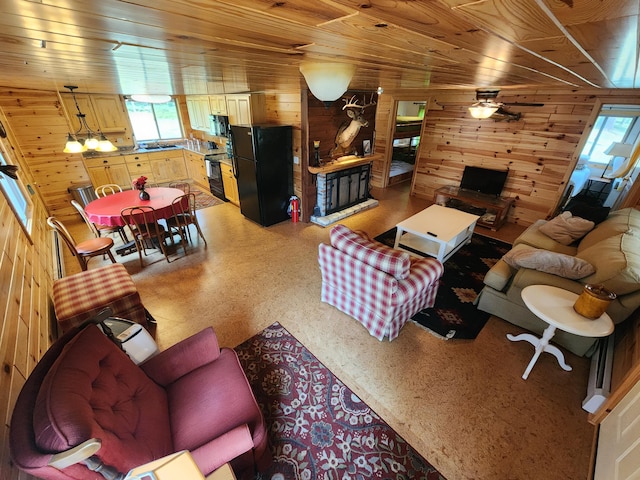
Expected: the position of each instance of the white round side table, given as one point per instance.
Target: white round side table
(555, 306)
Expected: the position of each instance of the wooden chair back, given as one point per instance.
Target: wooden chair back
(107, 189)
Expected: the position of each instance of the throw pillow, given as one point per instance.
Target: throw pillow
(566, 229)
(550, 262)
(589, 212)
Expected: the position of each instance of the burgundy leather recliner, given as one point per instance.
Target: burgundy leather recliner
(193, 396)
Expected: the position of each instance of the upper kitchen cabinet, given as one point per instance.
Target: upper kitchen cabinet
(105, 113)
(246, 109)
(199, 111)
(218, 104)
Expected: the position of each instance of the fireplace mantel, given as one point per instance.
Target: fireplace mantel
(343, 163)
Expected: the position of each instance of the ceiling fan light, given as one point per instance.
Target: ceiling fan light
(327, 81)
(483, 110)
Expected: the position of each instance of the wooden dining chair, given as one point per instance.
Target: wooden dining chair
(184, 186)
(143, 224)
(97, 229)
(83, 251)
(184, 215)
(107, 189)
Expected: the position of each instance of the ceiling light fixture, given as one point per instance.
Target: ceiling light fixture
(483, 109)
(485, 105)
(82, 141)
(327, 81)
(150, 98)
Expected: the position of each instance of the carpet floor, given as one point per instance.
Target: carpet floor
(318, 428)
(454, 315)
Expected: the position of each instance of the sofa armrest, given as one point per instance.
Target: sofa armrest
(499, 275)
(223, 449)
(183, 357)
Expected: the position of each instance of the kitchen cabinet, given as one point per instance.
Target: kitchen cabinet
(104, 113)
(104, 170)
(167, 166)
(199, 111)
(230, 184)
(196, 168)
(218, 104)
(246, 109)
(138, 165)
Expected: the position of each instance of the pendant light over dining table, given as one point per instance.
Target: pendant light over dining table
(84, 138)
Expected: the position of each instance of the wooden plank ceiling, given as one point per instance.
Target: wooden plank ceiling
(172, 46)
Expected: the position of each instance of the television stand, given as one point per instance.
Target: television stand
(491, 210)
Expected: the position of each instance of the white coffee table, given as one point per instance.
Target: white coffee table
(555, 306)
(436, 231)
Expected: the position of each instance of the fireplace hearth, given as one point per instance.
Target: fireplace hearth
(342, 189)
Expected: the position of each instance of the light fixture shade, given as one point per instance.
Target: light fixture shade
(105, 145)
(151, 98)
(327, 81)
(483, 110)
(91, 143)
(72, 145)
(618, 149)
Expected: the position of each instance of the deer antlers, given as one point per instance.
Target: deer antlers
(353, 102)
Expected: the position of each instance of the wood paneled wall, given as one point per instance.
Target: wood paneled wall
(540, 149)
(40, 128)
(26, 267)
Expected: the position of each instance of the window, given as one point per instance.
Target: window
(154, 121)
(17, 198)
(615, 123)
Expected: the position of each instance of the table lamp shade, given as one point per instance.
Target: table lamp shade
(178, 466)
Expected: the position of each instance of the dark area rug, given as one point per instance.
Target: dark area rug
(318, 428)
(454, 315)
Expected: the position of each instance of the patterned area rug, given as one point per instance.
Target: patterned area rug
(454, 315)
(204, 199)
(318, 428)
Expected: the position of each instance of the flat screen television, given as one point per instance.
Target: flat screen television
(483, 180)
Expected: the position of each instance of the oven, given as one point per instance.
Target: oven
(215, 176)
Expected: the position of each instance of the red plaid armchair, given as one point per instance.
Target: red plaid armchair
(379, 286)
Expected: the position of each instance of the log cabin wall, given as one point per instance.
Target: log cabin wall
(26, 278)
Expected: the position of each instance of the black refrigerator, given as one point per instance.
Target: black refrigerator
(263, 166)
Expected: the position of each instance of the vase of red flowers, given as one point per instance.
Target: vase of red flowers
(139, 184)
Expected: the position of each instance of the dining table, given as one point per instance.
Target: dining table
(106, 210)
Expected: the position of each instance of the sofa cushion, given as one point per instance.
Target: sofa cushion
(620, 221)
(534, 238)
(566, 229)
(550, 262)
(377, 255)
(617, 262)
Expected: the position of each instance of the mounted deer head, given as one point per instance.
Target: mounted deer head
(349, 130)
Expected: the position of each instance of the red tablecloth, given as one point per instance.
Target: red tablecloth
(106, 210)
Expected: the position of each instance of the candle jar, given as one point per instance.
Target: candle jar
(593, 301)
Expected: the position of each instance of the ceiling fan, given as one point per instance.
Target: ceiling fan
(486, 106)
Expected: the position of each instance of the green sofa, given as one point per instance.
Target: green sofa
(612, 247)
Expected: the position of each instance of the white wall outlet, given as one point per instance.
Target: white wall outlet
(296, 160)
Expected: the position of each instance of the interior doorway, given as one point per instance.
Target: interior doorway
(406, 140)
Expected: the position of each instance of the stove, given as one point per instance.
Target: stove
(215, 176)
